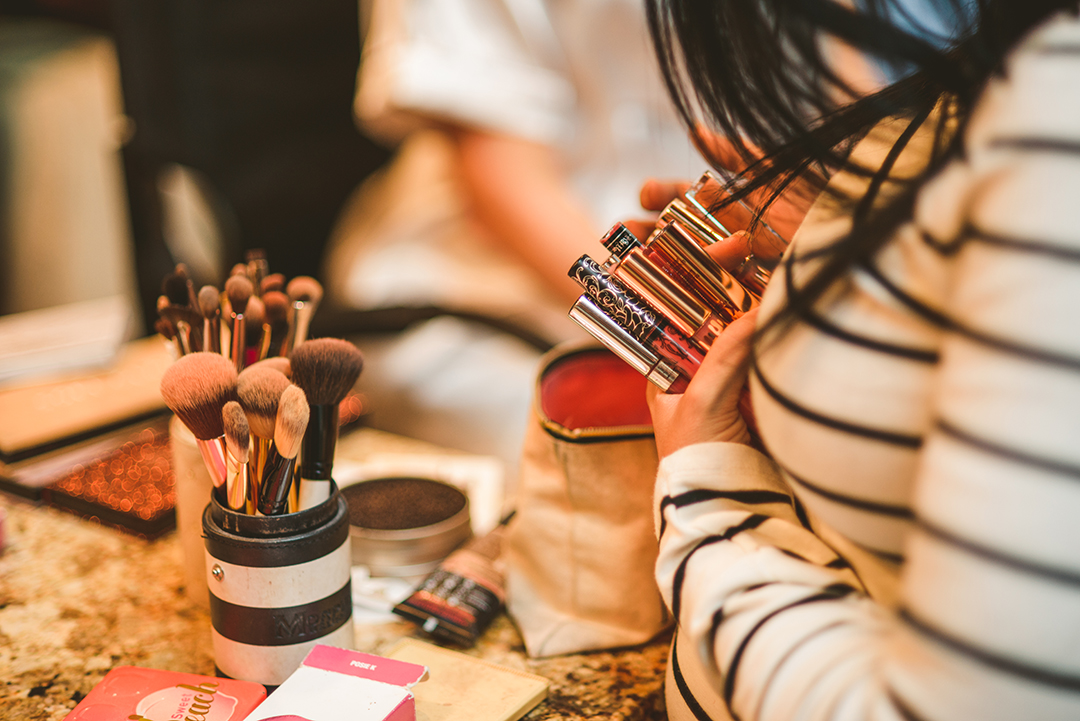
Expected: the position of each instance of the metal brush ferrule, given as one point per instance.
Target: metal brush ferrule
(236, 484)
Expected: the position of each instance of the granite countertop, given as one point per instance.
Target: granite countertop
(77, 599)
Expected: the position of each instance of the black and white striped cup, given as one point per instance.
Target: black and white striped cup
(278, 586)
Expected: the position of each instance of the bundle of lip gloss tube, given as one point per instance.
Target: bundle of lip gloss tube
(659, 304)
(263, 402)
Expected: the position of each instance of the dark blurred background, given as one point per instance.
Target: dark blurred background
(254, 97)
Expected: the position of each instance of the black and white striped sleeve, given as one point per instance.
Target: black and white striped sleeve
(988, 625)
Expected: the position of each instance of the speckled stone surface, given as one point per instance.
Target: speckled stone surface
(77, 599)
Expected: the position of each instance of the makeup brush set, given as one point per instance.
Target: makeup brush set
(659, 303)
(262, 401)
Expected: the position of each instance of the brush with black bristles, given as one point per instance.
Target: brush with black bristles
(196, 387)
(326, 369)
(210, 307)
(277, 323)
(304, 293)
(238, 494)
(289, 430)
(260, 388)
(238, 292)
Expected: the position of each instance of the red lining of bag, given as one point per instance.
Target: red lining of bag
(594, 389)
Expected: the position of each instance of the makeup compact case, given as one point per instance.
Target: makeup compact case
(581, 548)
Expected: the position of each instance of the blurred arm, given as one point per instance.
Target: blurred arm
(518, 191)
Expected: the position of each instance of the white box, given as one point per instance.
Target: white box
(334, 684)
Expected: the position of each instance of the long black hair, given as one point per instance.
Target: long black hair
(764, 74)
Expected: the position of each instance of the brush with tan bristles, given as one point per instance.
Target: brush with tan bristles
(274, 281)
(304, 293)
(260, 388)
(281, 365)
(277, 323)
(196, 387)
(210, 307)
(238, 495)
(289, 429)
(238, 292)
(326, 369)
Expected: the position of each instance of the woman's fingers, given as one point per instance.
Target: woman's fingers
(725, 363)
(656, 194)
(709, 409)
(731, 252)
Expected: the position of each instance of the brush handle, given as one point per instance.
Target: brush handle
(264, 342)
(276, 483)
(304, 312)
(317, 455)
(299, 323)
(320, 440)
(239, 342)
(213, 455)
(236, 484)
(183, 336)
(211, 335)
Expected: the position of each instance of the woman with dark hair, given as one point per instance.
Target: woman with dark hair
(907, 549)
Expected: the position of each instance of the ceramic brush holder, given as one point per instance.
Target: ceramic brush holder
(279, 585)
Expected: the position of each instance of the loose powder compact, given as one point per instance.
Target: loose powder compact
(405, 526)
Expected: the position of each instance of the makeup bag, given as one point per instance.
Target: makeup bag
(581, 549)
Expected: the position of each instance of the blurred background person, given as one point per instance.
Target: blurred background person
(526, 130)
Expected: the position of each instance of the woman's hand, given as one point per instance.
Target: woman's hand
(708, 409)
(784, 215)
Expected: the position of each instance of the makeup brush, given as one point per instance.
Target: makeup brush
(326, 369)
(274, 281)
(182, 271)
(174, 288)
(238, 269)
(277, 323)
(281, 365)
(186, 321)
(304, 295)
(165, 328)
(257, 268)
(289, 430)
(260, 388)
(210, 306)
(237, 444)
(254, 323)
(195, 388)
(238, 292)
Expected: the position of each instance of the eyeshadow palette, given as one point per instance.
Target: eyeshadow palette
(131, 487)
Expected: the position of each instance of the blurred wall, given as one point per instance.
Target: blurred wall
(64, 232)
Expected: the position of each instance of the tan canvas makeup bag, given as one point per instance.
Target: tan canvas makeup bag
(581, 548)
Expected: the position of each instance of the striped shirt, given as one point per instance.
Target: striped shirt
(911, 548)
